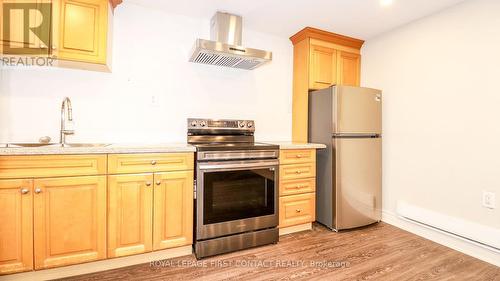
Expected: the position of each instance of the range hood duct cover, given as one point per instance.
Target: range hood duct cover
(224, 48)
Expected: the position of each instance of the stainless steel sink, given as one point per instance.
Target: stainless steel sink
(85, 144)
(34, 144)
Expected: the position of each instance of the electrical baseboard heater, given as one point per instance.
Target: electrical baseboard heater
(481, 235)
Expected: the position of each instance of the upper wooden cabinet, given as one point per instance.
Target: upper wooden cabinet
(81, 30)
(16, 227)
(76, 32)
(348, 68)
(321, 59)
(323, 67)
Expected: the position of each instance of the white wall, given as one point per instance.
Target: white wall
(150, 57)
(440, 78)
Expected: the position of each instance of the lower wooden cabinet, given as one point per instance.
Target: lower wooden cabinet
(297, 171)
(173, 210)
(69, 220)
(130, 214)
(16, 226)
(48, 222)
(297, 187)
(297, 209)
(149, 212)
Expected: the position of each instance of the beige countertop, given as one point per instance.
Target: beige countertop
(296, 145)
(109, 149)
(133, 148)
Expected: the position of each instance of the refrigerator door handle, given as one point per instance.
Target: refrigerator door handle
(360, 135)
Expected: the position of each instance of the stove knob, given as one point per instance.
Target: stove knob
(202, 123)
(250, 124)
(193, 123)
(242, 124)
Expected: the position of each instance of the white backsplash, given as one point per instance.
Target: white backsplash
(150, 61)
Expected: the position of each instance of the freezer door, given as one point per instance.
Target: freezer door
(357, 110)
(358, 182)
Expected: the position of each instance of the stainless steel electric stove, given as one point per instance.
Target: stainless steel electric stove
(236, 190)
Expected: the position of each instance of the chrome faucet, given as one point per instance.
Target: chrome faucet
(66, 121)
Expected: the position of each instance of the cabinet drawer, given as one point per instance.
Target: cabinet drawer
(153, 162)
(297, 209)
(290, 187)
(27, 166)
(294, 156)
(297, 171)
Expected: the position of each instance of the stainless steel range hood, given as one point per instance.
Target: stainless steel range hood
(224, 48)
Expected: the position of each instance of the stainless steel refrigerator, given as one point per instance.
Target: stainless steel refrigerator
(349, 172)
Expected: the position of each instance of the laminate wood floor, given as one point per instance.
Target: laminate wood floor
(379, 252)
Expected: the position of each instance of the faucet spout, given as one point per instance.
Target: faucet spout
(66, 120)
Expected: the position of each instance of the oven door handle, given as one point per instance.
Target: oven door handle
(237, 164)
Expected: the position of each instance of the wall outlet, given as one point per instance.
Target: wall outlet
(489, 200)
(155, 100)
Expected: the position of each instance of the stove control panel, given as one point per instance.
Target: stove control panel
(221, 124)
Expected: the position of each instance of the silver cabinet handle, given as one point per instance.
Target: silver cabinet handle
(148, 183)
(153, 162)
(38, 190)
(24, 191)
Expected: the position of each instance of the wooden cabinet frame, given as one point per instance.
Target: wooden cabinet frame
(320, 59)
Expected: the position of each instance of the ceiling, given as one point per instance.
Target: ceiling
(362, 19)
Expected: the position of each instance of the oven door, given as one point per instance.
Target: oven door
(236, 196)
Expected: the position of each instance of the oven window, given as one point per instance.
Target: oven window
(234, 195)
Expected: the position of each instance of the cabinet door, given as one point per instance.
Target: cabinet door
(69, 220)
(322, 67)
(173, 210)
(130, 214)
(80, 30)
(349, 65)
(16, 226)
(297, 209)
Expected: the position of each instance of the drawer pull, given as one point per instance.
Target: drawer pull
(158, 182)
(25, 191)
(153, 162)
(298, 210)
(38, 190)
(148, 183)
(299, 186)
(298, 172)
(298, 156)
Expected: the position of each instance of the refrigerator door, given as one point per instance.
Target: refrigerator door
(358, 181)
(357, 110)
